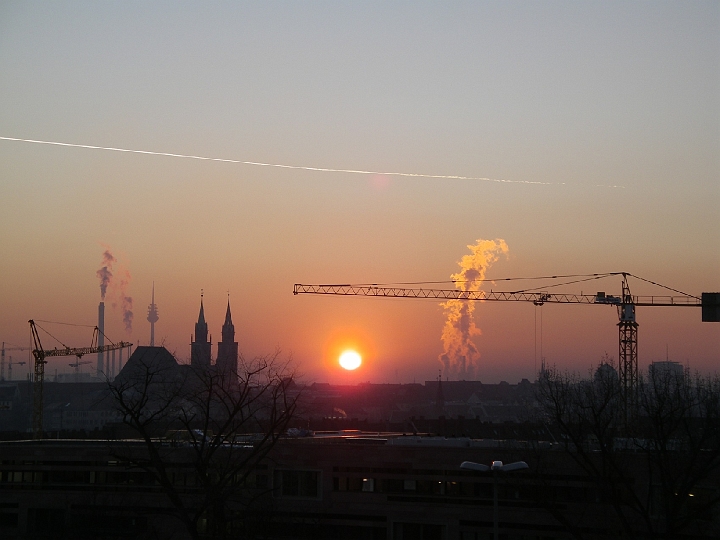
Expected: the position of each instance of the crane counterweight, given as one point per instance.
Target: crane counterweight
(711, 307)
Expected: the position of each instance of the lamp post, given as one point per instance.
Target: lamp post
(495, 467)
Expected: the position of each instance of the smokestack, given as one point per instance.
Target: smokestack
(101, 338)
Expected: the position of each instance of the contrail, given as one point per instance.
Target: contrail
(296, 167)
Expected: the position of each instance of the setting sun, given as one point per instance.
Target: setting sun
(350, 360)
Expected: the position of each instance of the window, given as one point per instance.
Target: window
(409, 485)
(347, 484)
(368, 484)
(418, 531)
(261, 481)
(290, 483)
(48, 522)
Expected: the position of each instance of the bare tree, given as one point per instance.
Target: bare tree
(658, 471)
(679, 426)
(206, 432)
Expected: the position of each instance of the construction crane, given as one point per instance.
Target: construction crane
(40, 354)
(11, 364)
(2, 357)
(76, 364)
(625, 303)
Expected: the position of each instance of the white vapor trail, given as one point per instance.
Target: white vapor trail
(297, 167)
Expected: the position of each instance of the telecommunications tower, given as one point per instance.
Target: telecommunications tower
(152, 316)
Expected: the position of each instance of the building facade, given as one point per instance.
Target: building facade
(350, 486)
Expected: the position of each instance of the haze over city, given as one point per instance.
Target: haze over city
(577, 138)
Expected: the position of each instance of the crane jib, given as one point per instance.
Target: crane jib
(708, 301)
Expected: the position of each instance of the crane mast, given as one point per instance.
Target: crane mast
(627, 349)
(40, 354)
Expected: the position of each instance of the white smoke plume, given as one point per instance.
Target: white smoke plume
(460, 357)
(126, 302)
(117, 287)
(105, 272)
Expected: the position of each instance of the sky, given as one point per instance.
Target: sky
(602, 118)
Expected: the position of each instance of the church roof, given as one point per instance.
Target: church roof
(156, 360)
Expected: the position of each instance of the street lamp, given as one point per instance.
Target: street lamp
(495, 467)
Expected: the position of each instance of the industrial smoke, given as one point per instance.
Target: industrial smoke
(105, 272)
(461, 355)
(126, 301)
(117, 287)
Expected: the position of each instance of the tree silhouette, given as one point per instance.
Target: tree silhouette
(205, 433)
(659, 470)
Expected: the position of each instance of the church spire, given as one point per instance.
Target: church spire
(228, 315)
(200, 348)
(228, 329)
(227, 358)
(201, 328)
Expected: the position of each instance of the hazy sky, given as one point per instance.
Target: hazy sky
(564, 99)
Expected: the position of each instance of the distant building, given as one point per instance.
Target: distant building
(76, 378)
(666, 368)
(227, 348)
(9, 396)
(156, 360)
(605, 373)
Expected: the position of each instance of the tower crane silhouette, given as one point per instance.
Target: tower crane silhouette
(40, 354)
(11, 364)
(2, 359)
(76, 364)
(625, 303)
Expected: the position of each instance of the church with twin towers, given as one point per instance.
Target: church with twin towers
(226, 360)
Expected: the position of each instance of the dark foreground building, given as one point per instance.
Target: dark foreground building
(348, 486)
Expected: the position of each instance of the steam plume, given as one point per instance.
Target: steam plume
(105, 272)
(460, 357)
(118, 287)
(126, 302)
(127, 313)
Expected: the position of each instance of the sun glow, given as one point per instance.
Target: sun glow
(350, 360)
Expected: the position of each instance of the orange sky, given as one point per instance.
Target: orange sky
(562, 99)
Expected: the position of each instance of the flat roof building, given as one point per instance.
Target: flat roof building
(344, 485)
